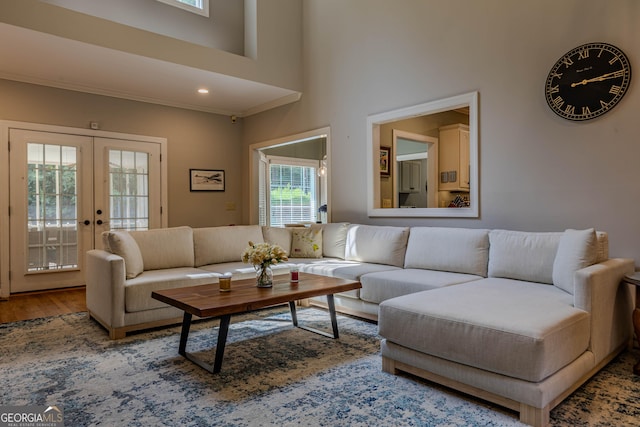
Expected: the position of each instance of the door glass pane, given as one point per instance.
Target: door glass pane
(129, 190)
(52, 207)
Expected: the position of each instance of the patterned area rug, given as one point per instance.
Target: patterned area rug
(272, 374)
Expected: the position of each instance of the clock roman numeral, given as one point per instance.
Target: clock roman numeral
(567, 62)
(586, 111)
(583, 54)
(556, 75)
(613, 60)
(554, 89)
(615, 89)
(570, 109)
(603, 104)
(558, 101)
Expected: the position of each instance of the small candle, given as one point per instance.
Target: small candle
(294, 274)
(225, 282)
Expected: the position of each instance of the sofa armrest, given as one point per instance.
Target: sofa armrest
(105, 279)
(598, 290)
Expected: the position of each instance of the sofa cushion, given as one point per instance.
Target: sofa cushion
(165, 247)
(522, 255)
(577, 249)
(138, 291)
(306, 243)
(381, 286)
(522, 330)
(334, 238)
(377, 244)
(278, 236)
(351, 270)
(214, 245)
(122, 244)
(460, 250)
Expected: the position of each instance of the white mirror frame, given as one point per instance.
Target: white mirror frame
(373, 151)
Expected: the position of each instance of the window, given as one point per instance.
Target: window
(201, 7)
(52, 206)
(293, 195)
(129, 189)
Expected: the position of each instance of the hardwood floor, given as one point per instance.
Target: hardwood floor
(32, 305)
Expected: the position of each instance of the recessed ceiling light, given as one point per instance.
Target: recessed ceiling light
(203, 90)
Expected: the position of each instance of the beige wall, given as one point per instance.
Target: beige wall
(223, 29)
(195, 140)
(537, 171)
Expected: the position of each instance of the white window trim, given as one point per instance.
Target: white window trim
(204, 11)
(254, 159)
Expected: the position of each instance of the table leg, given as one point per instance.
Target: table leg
(222, 341)
(184, 335)
(332, 313)
(636, 326)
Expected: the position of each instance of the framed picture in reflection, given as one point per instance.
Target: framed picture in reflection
(385, 161)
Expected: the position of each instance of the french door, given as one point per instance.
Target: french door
(65, 190)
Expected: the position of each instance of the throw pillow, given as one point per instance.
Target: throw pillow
(122, 244)
(578, 249)
(306, 243)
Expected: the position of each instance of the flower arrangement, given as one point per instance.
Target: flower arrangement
(263, 256)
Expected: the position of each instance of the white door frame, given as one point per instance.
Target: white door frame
(5, 126)
(254, 160)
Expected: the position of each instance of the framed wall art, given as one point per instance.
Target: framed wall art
(206, 180)
(385, 161)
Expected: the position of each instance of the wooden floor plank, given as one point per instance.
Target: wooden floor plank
(33, 305)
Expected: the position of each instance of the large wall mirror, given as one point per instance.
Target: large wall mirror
(423, 160)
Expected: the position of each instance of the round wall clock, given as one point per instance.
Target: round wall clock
(588, 81)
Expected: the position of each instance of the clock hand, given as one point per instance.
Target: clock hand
(596, 79)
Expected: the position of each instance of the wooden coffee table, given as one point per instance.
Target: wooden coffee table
(245, 296)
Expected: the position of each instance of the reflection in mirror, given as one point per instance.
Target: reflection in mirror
(431, 168)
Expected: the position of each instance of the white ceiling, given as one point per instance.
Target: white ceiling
(44, 59)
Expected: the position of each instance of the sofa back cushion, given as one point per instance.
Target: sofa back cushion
(522, 255)
(334, 238)
(377, 244)
(214, 245)
(165, 247)
(121, 243)
(459, 250)
(577, 249)
(278, 236)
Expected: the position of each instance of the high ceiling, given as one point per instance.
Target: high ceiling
(35, 57)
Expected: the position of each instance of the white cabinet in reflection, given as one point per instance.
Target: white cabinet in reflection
(410, 176)
(454, 158)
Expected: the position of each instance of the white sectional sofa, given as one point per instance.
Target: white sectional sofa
(518, 318)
